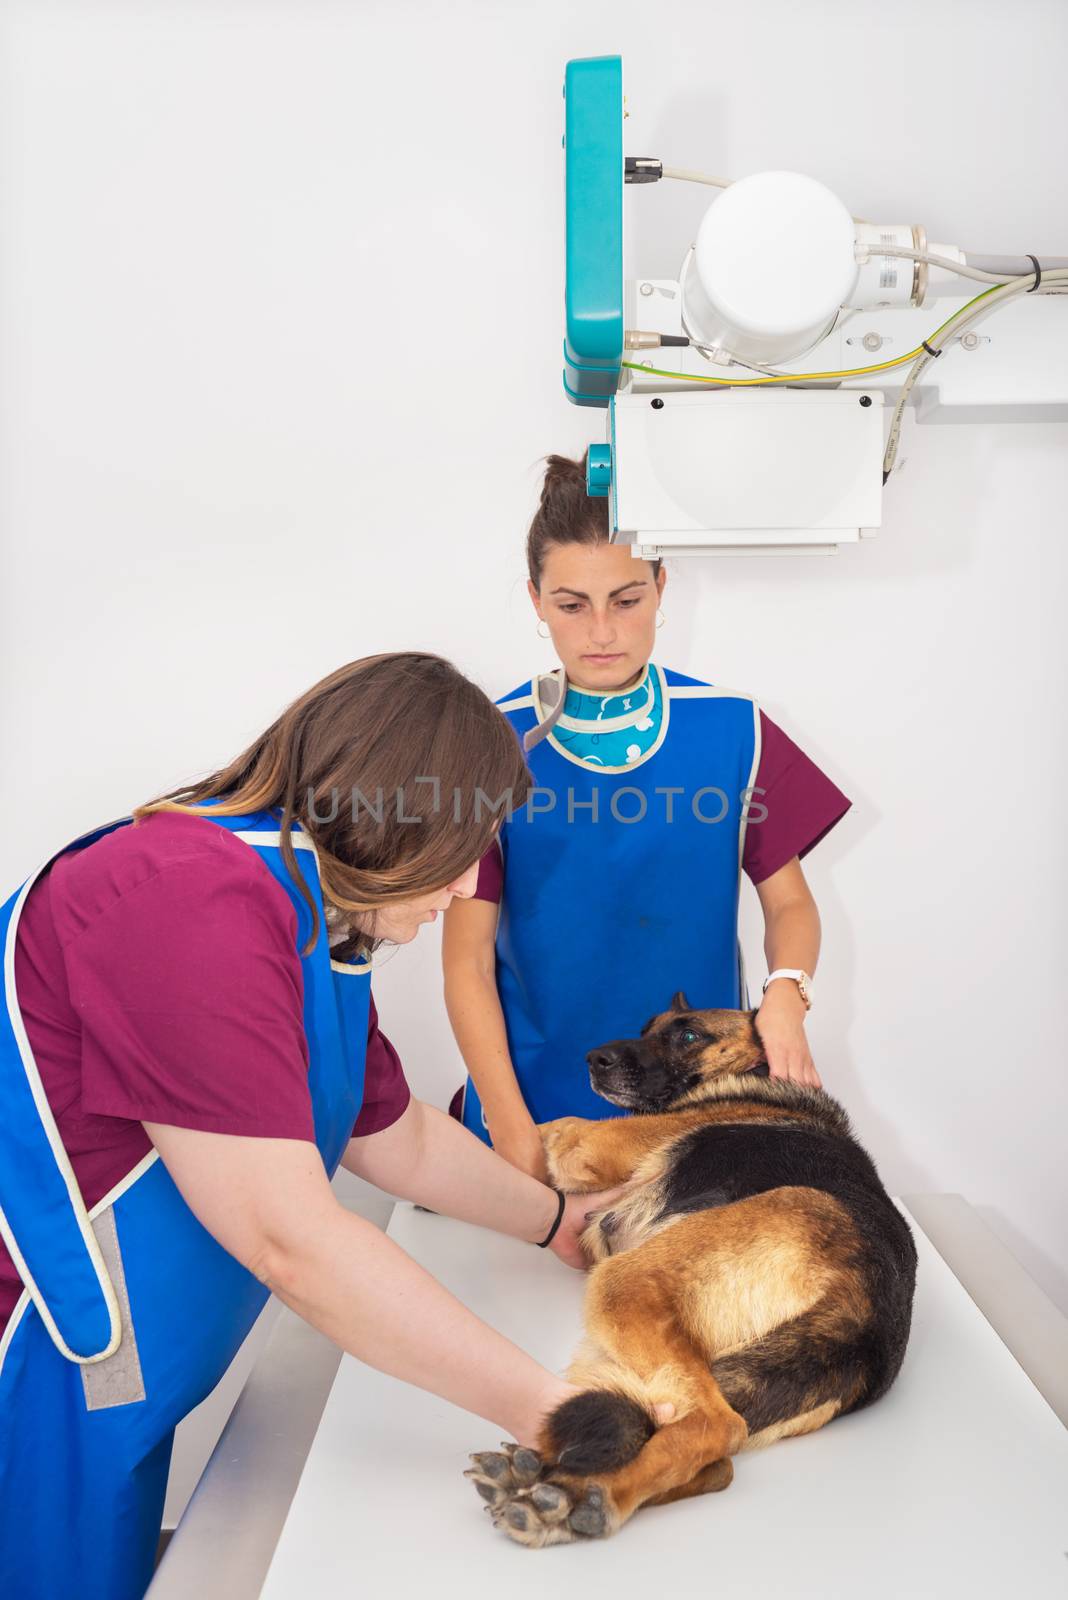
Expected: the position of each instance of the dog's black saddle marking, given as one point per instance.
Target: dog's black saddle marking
(724, 1162)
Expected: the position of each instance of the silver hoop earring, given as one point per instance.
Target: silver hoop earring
(659, 617)
(542, 624)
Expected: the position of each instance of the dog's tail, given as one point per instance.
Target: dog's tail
(799, 1375)
(596, 1431)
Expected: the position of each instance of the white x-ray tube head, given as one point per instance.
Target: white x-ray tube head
(772, 264)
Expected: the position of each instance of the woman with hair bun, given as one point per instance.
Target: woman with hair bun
(616, 885)
(188, 1052)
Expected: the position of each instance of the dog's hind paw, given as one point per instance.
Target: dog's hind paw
(533, 1509)
(496, 1473)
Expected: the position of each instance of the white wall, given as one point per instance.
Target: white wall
(281, 310)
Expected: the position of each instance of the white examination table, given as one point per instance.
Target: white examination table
(955, 1484)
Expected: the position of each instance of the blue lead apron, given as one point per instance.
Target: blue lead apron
(620, 887)
(132, 1312)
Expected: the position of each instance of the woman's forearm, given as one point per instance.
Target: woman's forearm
(791, 939)
(792, 936)
(367, 1295)
(477, 1019)
(431, 1159)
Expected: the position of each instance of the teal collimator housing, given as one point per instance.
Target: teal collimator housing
(594, 169)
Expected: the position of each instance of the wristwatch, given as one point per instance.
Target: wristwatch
(802, 979)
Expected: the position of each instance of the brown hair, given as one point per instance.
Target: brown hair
(566, 514)
(398, 737)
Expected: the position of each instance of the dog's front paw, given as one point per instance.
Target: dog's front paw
(535, 1506)
(568, 1167)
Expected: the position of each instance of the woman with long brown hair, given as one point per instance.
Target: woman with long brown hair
(189, 1050)
(617, 885)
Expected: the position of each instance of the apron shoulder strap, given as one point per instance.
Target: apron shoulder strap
(550, 691)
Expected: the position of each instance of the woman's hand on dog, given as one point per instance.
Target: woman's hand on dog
(521, 1145)
(529, 1430)
(578, 1209)
(780, 1022)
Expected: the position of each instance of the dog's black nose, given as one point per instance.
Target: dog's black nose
(605, 1058)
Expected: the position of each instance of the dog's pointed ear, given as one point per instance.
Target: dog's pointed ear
(680, 1002)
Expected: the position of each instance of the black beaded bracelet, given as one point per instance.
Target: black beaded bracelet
(551, 1235)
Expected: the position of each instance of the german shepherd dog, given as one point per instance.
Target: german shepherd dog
(755, 1273)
